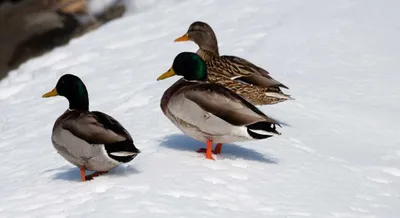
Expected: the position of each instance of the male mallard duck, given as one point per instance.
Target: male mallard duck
(91, 140)
(209, 112)
(237, 74)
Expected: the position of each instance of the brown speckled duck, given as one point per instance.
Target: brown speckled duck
(90, 140)
(209, 112)
(237, 74)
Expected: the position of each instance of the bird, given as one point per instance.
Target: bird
(90, 140)
(235, 73)
(209, 112)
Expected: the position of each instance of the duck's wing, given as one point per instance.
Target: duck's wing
(99, 128)
(111, 124)
(227, 105)
(96, 128)
(242, 70)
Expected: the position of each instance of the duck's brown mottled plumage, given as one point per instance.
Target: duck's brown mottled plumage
(254, 94)
(237, 74)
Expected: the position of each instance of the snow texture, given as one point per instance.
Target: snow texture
(338, 156)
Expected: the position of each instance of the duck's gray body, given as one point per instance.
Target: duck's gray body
(81, 139)
(207, 111)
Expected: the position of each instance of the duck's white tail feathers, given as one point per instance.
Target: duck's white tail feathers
(279, 95)
(123, 153)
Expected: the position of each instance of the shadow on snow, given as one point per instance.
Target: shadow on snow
(185, 143)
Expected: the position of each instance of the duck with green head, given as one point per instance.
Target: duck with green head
(209, 112)
(90, 140)
(235, 73)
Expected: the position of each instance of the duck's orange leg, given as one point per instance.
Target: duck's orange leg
(208, 150)
(217, 149)
(90, 177)
(83, 177)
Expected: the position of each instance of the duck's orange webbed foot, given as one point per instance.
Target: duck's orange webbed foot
(91, 176)
(209, 150)
(95, 174)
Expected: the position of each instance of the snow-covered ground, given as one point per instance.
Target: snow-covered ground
(339, 155)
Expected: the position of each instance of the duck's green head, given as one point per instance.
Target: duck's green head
(189, 65)
(72, 88)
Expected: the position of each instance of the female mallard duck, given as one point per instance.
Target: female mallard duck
(91, 140)
(237, 74)
(209, 112)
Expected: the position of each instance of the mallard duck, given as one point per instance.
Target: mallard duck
(210, 112)
(237, 74)
(90, 140)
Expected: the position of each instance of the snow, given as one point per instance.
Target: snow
(338, 156)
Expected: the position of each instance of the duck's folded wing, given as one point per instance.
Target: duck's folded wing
(242, 70)
(225, 104)
(96, 128)
(111, 124)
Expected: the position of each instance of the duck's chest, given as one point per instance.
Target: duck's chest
(169, 93)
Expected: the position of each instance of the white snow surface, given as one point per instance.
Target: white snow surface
(338, 155)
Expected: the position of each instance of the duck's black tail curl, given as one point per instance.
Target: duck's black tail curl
(123, 151)
(262, 130)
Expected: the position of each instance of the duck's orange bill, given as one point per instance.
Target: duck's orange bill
(51, 93)
(182, 38)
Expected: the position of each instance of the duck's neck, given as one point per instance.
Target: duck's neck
(206, 54)
(208, 46)
(81, 103)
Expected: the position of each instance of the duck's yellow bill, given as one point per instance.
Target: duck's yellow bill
(51, 93)
(167, 74)
(182, 38)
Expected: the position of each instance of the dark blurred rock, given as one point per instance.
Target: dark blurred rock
(19, 22)
(41, 43)
(31, 28)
